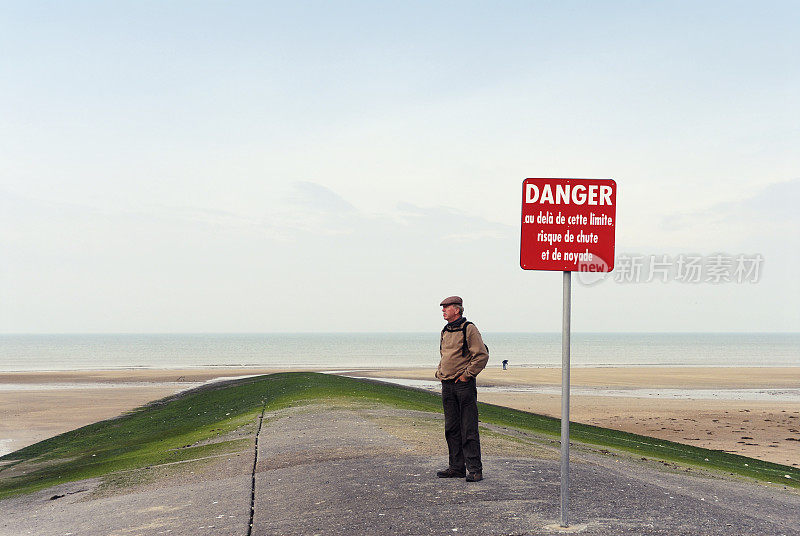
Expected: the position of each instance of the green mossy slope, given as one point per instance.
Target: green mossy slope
(169, 430)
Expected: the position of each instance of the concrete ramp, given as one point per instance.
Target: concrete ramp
(312, 480)
(344, 468)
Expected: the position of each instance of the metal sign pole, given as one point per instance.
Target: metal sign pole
(554, 211)
(565, 397)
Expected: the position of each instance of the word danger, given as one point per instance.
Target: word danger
(565, 194)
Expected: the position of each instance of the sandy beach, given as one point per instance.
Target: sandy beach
(37, 405)
(763, 429)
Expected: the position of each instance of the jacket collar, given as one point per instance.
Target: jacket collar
(455, 324)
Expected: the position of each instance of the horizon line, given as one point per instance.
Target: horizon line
(391, 332)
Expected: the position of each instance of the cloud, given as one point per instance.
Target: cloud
(303, 211)
(767, 217)
(316, 197)
(161, 268)
(777, 201)
(309, 209)
(774, 206)
(450, 223)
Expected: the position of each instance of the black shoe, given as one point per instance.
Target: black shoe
(477, 476)
(450, 473)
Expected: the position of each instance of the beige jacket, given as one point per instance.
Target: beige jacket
(454, 362)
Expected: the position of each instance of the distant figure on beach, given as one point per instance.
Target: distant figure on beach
(505, 364)
(463, 356)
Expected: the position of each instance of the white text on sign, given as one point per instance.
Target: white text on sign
(577, 219)
(578, 194)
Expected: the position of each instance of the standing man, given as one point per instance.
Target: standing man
(463, 356)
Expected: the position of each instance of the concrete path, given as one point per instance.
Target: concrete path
(208, 497)
(312, 480)
(371, 470)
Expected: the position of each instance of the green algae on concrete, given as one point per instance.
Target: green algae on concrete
(184, 427)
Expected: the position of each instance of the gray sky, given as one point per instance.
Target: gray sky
(342, 166)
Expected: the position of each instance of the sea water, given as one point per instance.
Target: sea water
(384, 350)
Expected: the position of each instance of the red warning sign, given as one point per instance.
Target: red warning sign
(568, 224)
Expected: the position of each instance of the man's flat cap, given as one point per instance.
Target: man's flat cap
(452, 300)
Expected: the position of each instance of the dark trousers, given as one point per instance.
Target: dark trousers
(460, 402)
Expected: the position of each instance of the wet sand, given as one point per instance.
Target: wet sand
(767, 430)
(630, 377)
(37, 405)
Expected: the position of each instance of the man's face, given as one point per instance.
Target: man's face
(450, 313)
